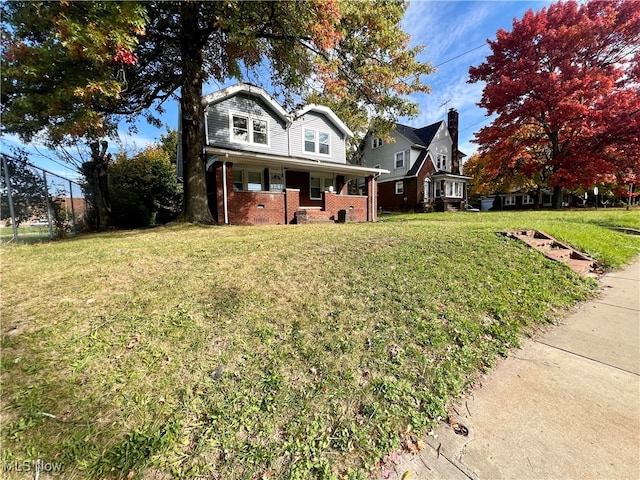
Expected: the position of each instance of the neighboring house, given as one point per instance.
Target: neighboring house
(424, 167)
(265, 166)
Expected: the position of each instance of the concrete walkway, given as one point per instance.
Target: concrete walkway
(566, 405)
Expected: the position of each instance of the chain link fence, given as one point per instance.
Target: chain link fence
(37, 205)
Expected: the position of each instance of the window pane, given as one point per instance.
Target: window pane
(260, 131)
(240, 129)
(400, 160)
(254, 181)
(323, 143)
(309, 141)
(237, 180)
(240, 122)
(314, 184)
(328, 183)
(276, 183)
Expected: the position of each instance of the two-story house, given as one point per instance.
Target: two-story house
(424, 167)
(266, 166)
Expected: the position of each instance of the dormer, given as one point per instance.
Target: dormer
(245, 117)
(317, 133)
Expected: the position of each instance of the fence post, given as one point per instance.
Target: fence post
(49, 215)
(73, 210)
(7, 181)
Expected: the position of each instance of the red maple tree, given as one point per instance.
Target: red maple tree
(564, 84)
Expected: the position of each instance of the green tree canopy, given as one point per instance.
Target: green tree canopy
(350, 53)
(60, 65)
(142, 187)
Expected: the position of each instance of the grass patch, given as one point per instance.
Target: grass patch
(277, 352)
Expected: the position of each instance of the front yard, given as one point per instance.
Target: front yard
(288, 352)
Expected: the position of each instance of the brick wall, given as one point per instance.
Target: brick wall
(292, 204)
(355, 206)
(256, 208)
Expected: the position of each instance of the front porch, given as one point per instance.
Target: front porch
(245, 190)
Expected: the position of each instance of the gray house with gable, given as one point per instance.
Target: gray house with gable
(267, 166)
(423, 167)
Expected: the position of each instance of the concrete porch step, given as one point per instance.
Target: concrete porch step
(314, 216)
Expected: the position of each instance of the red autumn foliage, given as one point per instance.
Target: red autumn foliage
(565, 87)
(126, 56)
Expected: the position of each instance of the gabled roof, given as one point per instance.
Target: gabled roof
(329, 113)
(417, 165)
(254, 90)
(419, 136)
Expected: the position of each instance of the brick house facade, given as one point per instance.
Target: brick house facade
(424, 167)
(266, 166)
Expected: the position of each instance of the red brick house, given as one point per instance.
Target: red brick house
(266, 166)
(424, 167)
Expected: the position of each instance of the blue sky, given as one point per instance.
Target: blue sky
(455, 34)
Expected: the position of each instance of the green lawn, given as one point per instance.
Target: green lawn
(288, 352)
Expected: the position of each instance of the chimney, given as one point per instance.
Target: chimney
(452, 123)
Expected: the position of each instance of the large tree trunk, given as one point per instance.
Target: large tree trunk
(95, 172)
(556, 200)
(195, 208)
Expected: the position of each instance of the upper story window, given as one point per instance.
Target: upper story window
(441, 162)
(316, 142)
(400, 160)
(376, 142)
(247, 129)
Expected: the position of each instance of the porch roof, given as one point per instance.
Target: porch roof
(449, 176)
(242, 157)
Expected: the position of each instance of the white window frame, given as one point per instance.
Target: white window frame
(454, 189)
(280, 181)
(399, 187)
(444, 162)
(527, 200)
(510, 200)
(376, 142)
(438, 161)
(316, 142)
(245, 179)
(250, 129)
(326, 183)
(395, 160)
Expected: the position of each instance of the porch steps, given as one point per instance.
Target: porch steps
(553, 249)
(313, 216)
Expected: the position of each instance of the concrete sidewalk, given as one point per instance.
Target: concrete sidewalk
(566, 405)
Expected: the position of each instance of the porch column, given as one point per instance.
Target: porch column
(371, 199)
(291, 204)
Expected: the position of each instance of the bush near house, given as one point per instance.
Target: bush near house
(143, 189)
(284, 352)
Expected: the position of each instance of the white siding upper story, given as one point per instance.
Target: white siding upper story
(246, 118)
(440, 147)
(399, 156)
